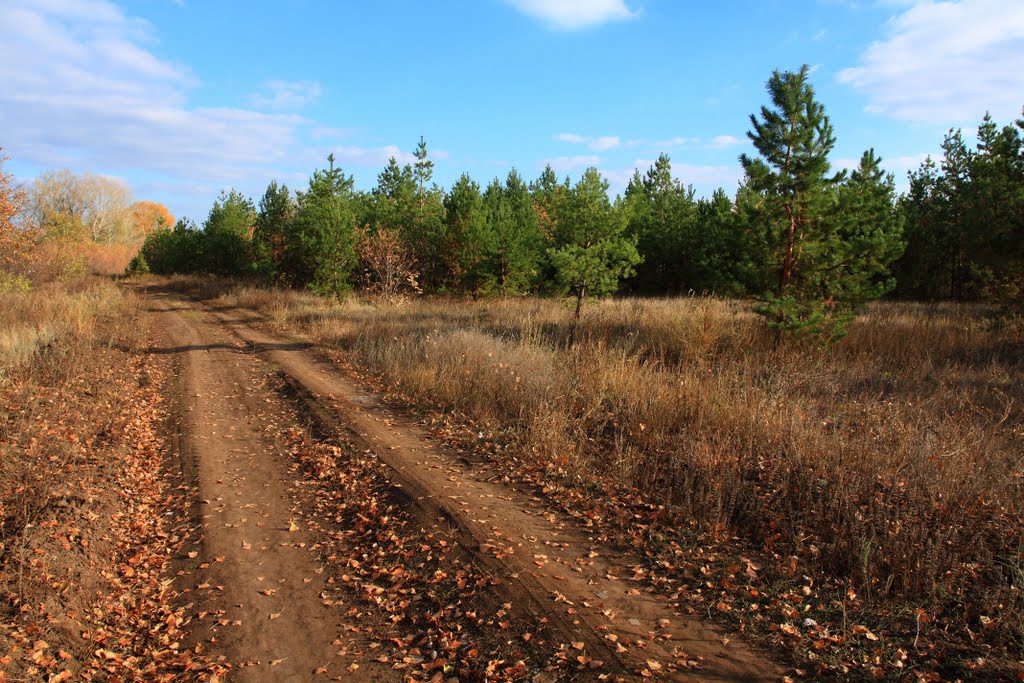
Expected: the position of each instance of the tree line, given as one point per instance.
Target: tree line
(808, 243)
(64, 225)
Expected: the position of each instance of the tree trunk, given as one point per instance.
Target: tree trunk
(786, 274)
(580, 294)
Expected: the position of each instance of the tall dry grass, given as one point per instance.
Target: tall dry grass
(60, 322)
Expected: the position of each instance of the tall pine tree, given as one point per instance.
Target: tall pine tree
(662, 217)
(227, 235)
(517, 242)
(467, 238)
(323, 237)
(796, 215)
(273, 221)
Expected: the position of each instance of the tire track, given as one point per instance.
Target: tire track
(545, 566)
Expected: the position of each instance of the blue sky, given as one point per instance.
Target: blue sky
(181, 98)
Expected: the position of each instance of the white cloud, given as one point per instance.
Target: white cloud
(571, 15)
(322, 132)
(598, 144)
(93, 97)
(571, 137)
(604, 143)
(674, 142)
(696, 174)
(80, 87)
(378, 157)
(946, 62)
(569, 163)
(722, 141)
(281, 95)
(372, 156)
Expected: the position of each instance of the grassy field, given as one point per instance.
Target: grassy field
(887, 470)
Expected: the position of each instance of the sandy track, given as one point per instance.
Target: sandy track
(255, 585)
(543, 564)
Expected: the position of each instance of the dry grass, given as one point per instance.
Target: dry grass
(60, 321)
(892, 462)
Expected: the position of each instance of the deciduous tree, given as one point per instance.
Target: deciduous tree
(15, 239)
(146, 216)
(97, 205)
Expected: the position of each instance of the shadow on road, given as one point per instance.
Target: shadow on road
(237, 348)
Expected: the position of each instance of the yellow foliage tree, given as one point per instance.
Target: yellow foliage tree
(145, 217)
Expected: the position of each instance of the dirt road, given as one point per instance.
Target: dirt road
(258, 580)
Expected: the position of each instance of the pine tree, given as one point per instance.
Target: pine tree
(393, 200)
(918, 270)
(467, 237)
(424, 233)
(592, 252)
(952, 231)
(273, 221)
(965, 221)
(868, 239)
(227, 234)
(995, 201)
(517, 242)
(795, 215)
(662, 216)
(322, 240)
(723, 253)
(548, 197)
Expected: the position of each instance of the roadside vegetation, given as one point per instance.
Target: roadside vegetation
(875, 487)
(90, 518)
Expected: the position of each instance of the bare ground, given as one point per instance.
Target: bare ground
(259, 575)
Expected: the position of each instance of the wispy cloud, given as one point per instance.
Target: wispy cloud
(723, 141)
(372, 156)
(94, 96)
(946, 61)
(697, 174)
(286, 95)
(672, 143)
(571, 163)
(572, 15)
(598, 144)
